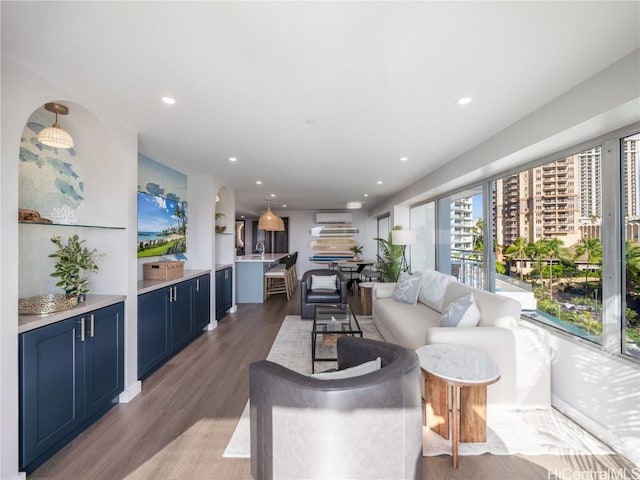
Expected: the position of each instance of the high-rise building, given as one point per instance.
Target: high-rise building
(462, 224)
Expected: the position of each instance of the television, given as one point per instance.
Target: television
(162, 226)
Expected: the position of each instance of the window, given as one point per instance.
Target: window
(629, 148)
(554, 270)
(423, 221)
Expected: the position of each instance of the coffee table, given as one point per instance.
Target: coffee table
(452, 371)
(332, 320)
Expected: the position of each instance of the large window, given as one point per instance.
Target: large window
(629, 154)
(548, 242)
(423, 252)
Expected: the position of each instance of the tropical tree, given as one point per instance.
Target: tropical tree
(536, 251)
(592, 248)
(518, 251)
(477, 232)
(632, 264)
(553, 250)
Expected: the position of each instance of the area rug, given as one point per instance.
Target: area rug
(509, 431)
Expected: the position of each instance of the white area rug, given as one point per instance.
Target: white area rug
(509, 431)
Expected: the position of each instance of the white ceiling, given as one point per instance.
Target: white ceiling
(319, 100)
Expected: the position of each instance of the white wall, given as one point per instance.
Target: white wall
(22, 93)
(600, 392)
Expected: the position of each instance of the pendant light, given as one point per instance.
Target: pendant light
(55, 136)
(270, 222)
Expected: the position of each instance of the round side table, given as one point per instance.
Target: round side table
(452, 371)
(365, 289)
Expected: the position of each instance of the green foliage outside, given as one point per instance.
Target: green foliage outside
(388, 258)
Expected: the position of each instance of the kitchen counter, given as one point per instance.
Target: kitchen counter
(250, 275)
(267, 257)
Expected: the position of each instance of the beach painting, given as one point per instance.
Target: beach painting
(162, 226)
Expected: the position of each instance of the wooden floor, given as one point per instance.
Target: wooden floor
(179, 426)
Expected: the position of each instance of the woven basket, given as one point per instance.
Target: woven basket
(41, 304)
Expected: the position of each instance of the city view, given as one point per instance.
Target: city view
(548, 242)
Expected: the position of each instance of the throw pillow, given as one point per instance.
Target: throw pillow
(434, 285)
(461, 312)
(323, 282)
(355, 371)
(407, 288)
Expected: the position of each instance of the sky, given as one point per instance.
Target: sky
(155, 213)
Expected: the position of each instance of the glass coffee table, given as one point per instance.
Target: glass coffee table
(329, 322)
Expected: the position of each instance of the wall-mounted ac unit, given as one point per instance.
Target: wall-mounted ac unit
(345, 217)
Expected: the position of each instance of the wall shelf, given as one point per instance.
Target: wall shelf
(77, 225)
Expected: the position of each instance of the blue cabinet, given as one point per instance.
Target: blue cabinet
(224, 291)
(71, 372)
(169, 319)
(202, 302)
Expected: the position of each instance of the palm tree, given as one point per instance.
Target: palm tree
(389, 257)
(536, 251)
(477, 232)
(517, 251)
(592, 248)
(632, 264)
(553, 250)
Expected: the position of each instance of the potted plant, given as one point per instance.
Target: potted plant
(357, 251)
(389, 258)
(220, 228)
(73, 258)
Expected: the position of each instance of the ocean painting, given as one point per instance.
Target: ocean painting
(162, 226)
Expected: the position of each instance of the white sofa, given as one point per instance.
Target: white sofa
(520, 350)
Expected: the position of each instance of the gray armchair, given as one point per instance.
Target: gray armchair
(367, 427)
(310, 298)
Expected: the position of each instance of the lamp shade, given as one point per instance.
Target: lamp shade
(270, 222)
(403, 237)
(55, 137)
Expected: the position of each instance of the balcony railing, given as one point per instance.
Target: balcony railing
(468, 267)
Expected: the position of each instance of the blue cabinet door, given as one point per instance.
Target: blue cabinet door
(202, 302)
(220, 279)
(104, 358)
(227, 290)
(154, 336)
(182, 327)
(51, 387)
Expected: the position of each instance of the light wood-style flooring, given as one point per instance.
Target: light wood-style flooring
(179, 426)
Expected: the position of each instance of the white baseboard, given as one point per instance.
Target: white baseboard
(130, 392)
(620, 445)
(211, 325)
(233, 309)
(21, 476)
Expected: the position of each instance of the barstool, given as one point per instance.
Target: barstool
(277, 279)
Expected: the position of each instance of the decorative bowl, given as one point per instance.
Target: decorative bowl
(41, 304)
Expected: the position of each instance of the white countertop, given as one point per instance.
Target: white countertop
(146, 286)
(458, 365)
(93, 302)
(266, 258)
(222, 266)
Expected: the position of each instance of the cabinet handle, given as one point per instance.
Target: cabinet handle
(81, 329)
(175, 294)
(170, 294)
(92, 325)
(197, 284)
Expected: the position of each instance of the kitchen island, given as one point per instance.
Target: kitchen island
(250, 276)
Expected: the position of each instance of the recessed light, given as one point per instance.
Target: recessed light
(233, 159)
(241, 216)
(259, 182)
(464, 100)
(404, 159)
(284, 206)
(354, 205)
(273, 195)
(379, 182)
(169, 100)
(366, 195)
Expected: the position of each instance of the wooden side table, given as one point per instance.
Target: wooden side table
(452, 371)
(365, 289)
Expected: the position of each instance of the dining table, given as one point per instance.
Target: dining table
(353, 267)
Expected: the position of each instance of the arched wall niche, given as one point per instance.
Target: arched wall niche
(71, 186)
(224, 211)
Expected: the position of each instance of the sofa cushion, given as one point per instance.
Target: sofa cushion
(408, 324)
(434, 286)
(323, 282)
(495, 310)
(462, 312)
(355, 371)
(324, 296)
(407, 288)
